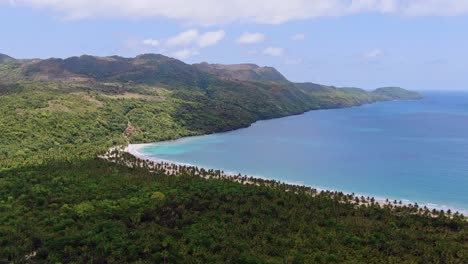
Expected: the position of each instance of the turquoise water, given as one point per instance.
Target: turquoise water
(406, 150)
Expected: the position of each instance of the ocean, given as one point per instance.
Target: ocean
(414, 151)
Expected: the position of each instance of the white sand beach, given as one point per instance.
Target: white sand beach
(135, 150)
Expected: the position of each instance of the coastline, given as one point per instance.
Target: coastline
(134, 149)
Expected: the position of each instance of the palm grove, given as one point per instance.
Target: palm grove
(61, 202)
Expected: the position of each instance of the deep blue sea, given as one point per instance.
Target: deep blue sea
(407, 150)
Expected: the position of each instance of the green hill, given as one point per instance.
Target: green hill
(5, 58)
(101, 101)
(395, 93)
(243, 72)
(60, 203)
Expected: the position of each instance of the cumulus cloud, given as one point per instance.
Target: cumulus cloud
(211, 38)
(298, 37)
(192, 36)
(187, 42)
(151, 42)
(374, 53)
(294, 61)
(273, 51)
(185, 53)
(251, 38)
(260, 11)
(437, 61)
(184, 38)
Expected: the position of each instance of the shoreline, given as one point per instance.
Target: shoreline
(133, 149)
(268, 119)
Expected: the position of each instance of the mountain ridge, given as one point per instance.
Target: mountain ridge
(141, 68)
(181, 98)
(156, 69)
(243, 71)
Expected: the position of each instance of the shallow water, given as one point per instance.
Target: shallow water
(405, 150)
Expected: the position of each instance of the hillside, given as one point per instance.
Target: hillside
(243, 72)
(59, 202)
(5, 58)
(261, 91)
(395, 93)
(101, 101)
(146, 68)
(88, 210)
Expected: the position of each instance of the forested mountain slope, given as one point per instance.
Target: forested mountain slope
(98, 102)
(60, 203)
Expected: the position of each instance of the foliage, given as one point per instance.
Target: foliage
(59, 203)
(42, 117)
(93, 211)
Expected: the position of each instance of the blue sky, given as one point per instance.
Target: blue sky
(363, 43)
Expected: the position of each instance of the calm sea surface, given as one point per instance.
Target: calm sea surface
(405, 150)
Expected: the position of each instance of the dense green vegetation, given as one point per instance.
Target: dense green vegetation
(90, 210)
(39, 117)
(60, 203)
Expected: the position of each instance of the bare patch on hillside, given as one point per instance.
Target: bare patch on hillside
(128, 95)
(56, 107)
(93, 100)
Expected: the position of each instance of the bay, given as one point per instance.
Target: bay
(415, 151)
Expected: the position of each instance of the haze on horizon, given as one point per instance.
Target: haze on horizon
(416, 44)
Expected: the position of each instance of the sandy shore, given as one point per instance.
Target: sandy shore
(134, 149)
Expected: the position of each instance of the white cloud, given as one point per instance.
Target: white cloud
(193, 37)
(185, 53)
(187, 43)
(251, 38)
(294, 61)
(259, 11)
(273, 51)
(374, 53)
(211, 38)
(184, 38)
(151, 42)
(298, 37)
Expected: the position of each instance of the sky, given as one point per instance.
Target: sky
(415, 44)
